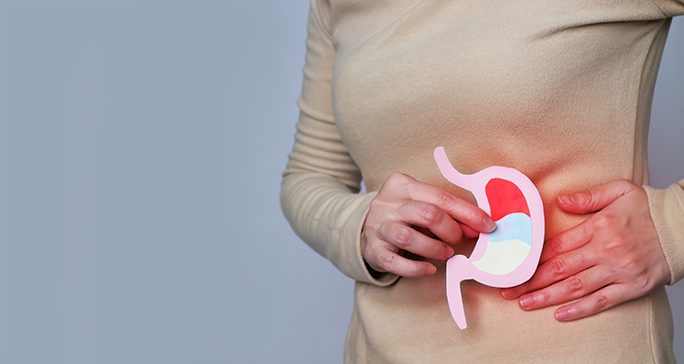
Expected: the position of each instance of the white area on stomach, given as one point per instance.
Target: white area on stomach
(503, 257)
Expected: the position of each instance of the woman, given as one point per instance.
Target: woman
(559, 90)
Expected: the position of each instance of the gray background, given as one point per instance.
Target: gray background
(141, 146)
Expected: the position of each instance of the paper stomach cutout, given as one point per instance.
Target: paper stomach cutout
(509, 255)
(508, 246)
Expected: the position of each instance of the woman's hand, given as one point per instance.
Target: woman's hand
(401, 202)
(611, 257)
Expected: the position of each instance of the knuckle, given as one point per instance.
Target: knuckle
(643, 283)
(446, 199)
(629, 264)
(602, 221)
(398, 177)
(575, 284)
(429, 212)
(612, 271)
(557, 267)
(589, 198)
(382, 231)
(625, 184)
(614, 244)
(601, 301)
(403, 235)
(398, 180)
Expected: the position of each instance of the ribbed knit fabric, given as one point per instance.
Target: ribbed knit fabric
(560, 90)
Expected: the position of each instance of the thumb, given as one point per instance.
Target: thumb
(595, 198)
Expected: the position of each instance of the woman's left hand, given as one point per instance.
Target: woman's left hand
(611, 257)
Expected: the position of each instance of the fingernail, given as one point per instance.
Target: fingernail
(526, 301)
(579, 198)
(490, 225)
(563, 313)
(449, 252)
(507, 293)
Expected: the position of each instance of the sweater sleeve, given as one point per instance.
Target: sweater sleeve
(667, 211)
(670, 8)
(320, 185)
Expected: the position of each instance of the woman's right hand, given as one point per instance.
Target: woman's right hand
(403, 202)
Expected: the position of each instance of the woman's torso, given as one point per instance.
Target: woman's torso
(560, 90)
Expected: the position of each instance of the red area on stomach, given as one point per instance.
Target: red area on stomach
(505, 198)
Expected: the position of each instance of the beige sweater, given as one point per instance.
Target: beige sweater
(559, 89)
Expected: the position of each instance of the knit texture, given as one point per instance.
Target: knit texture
(560, 90)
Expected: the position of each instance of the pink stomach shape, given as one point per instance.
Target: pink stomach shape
(509, 255)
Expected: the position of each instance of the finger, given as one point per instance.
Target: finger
(404, 237)
(552, 271)
(575, 286)
(571, 239)
(469, 232)
(595, 198)
(596, 302)
(456, 207)
(425, 231)
(432, 217)
(392, 262)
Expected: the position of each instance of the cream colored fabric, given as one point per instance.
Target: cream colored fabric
(560, 90)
